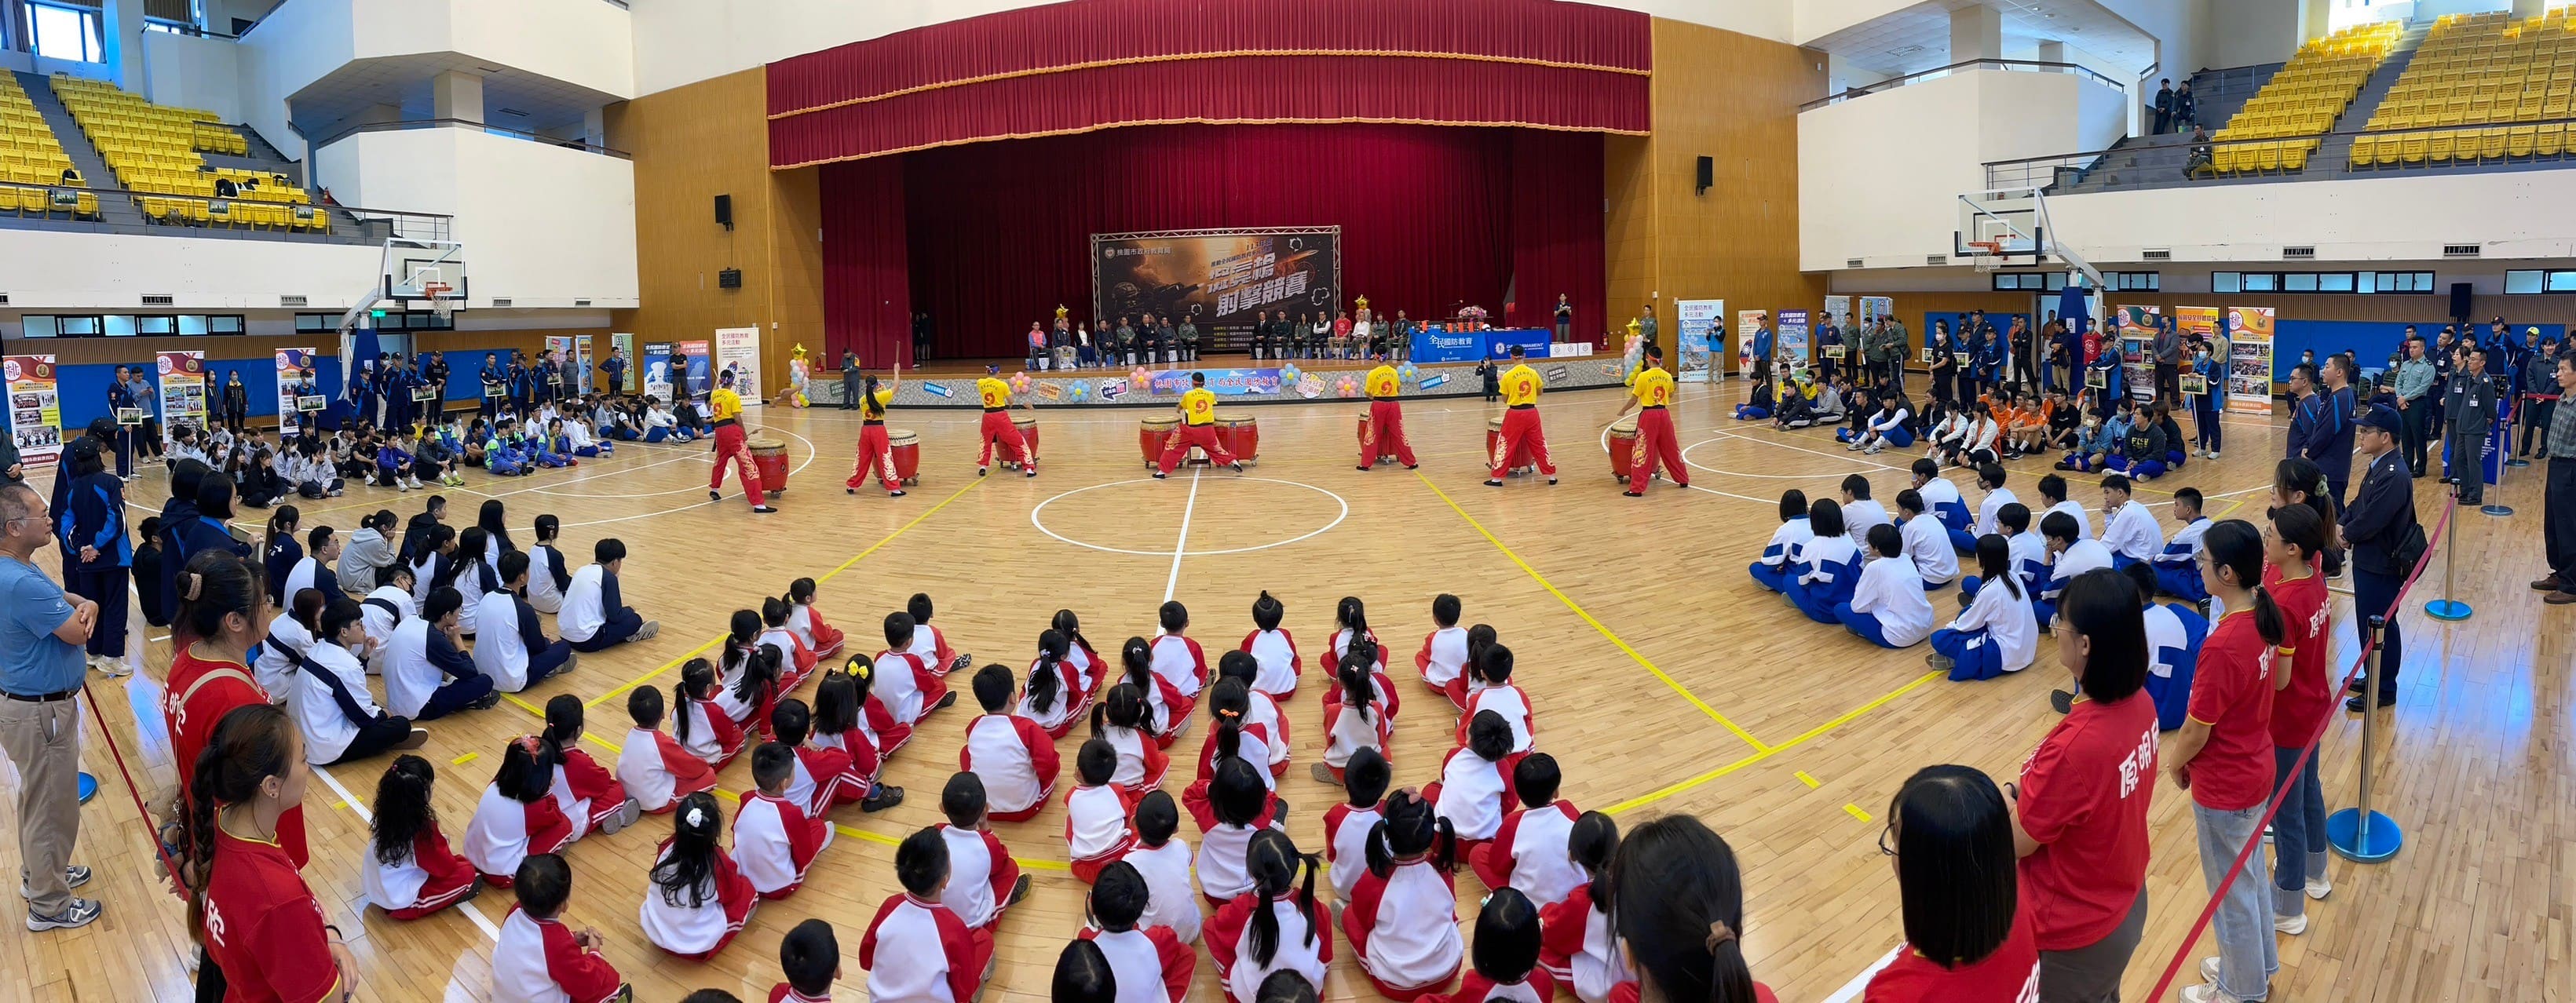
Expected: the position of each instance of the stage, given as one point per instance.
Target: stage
(1289, 381)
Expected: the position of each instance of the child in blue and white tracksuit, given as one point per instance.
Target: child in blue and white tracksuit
(1997, 633)
(1777, 566)
(502, 456)
(1829, 565)
(2127, 527)
(549, 449)
(2178, 565)
(1887, 607)
(2026, 551)
(2174, 634)
(393, 467)
(1990, 477)
(1941, 497)
(2070, 554)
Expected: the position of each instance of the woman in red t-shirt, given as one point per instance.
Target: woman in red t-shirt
(1967, 940)
(2222, 754)
(223, 609)
(2080, 808)
(2301, 697)
(1679, 907)
(250, 911)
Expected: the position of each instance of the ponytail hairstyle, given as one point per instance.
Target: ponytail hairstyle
(1479, 638)
(697, 682)
(1266, 612)
(402, 808)
(2298, 526)
(252, 743)
(686, 875)
(1046, 682)
(1358, 690)
(2236, 547)
(1136, 659)
(563, 722)
(773, 611)
(1350, 614)
(548, 527)
(800, 592)
(1679, 903)
(1507, 936)
(527, 771)
(1228, 701)
(1174, 617)
(1412, 827)
(1123, 706)
(1590, 844)
(1273, 863)
(1237, 793)
(1994, 560)
(281, 522)
(1954, 864)
(1082, 973)
(2308, 481)
(215, 587)
(759, 676)
(836, 703)
(740, 632)
(1071, 627)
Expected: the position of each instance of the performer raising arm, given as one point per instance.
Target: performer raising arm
(875, 451)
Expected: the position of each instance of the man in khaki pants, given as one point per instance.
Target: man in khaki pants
(42, 631)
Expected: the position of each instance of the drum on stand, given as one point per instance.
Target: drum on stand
(1028, 426)
(769, 456)
(1240, 434)
(905, 444)
(1153, 432)
(1521, 462)
(1623, 446)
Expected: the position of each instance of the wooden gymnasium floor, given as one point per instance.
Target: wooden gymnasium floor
(1664, 682)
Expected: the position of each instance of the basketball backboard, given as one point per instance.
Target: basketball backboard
(420, 277)
(1997, 227)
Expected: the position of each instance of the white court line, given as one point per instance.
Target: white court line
(1860, 983)
(1181, 545)
(360, 807)
(1035, 520)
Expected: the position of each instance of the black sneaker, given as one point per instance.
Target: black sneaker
(1019, 890)
(1413, 466)
(763, 509)
(945, 699)
(890, 494)
(715, 496)
(486, 701)
(1493, 484)
(1364, 469)
(1631, 494)
(981, 471)
(1238, 467)
(1159, 476)
(887, 796)
(1033, 471)
(1551, 480)
(849, 491)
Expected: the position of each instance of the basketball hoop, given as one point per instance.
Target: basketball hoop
(441, 297)
(1989, 254)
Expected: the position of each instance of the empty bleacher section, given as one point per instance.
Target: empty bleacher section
(2483, 73)
(31, 156)
(2278, 129)
(154, 150)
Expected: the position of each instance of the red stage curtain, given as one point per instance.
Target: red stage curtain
(867, 283)
(1090, 32)
(1260, 89)
(1433, 218)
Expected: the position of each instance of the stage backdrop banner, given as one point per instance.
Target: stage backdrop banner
(2249, 359)
(738, 349)
(183, 390)
(35, 414)
(2137, 327)
(1791, 336)
(1219, 277)
(1231, 382)
(657, 371)
(1435, 343)
(1702, 335)
(1533, 342)
(291, 364)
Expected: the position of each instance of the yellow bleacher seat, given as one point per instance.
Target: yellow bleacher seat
(2441, 147)
(2268, 158)
(2551, 139)
(2520, 140)
(2491, 143)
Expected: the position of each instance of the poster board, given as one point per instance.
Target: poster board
(2203, 323)
(656, 370)
(698, 374)
(1793, 336)
(35, 410)
(1838, 312)
(1877, 308)
(1703, 330)
(291, 364)
(624, 346)
(1748, 323)
(2249, 359)
(183, 390)
(2136, 327)
(738, 349)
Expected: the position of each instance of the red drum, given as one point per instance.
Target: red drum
(1028, 427)
(1386, 449)
(1240, 434)
(1521, 461)
(906, 446)
(1153, 432)
(1623, 446)
(770, 457)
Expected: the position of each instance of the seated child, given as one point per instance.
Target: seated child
(1475, 785)
(1505, 961)
(518, 815)
(2178, 565)
(823, 777)
(1096, 832)
(1229, 735)
(1443, 657)
(1578, 947)
(1240, 667)
(654, 768)
(1495, 692)
(910, 686)
(810, 957)
(1230, 808)
(409, 871)
(1778, 565)
(1887, 607)
(1013, 757)
(1359, 713)
(1402, 918)
(1926, 540)
(696, 898)
(983, 878)
(821, 638)
(1830, 565)
(537, 957)
(1298, 949)
(1057, 694)
(1528, 852)
(1125, 720)
(1347, 825)
(849, 717)
(1176, 657)
(775, 840)
(590, 796)
(703, 727)
(1997, 633)
(1137, 955)
(1273, 649)
(928, 642)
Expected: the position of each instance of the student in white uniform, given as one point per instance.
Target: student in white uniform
(1058, 693)
(1096, 832)
(1577, 946)
(473, 577)
(1927, 541)
(331, 702)
(536, 958)
(696, 898)
(1274, 925)
(1276, 652)
(1149, 962)
(1230, 808)
(774, 840)
(1177, 657)
(655, 769)
(410, 871)
(1495, 691)
(2178, 566)
(1886, 428)
(547, 574)
(518, 814)
(1347, 825)
(425, 655)
(1778, 565)
(313, 571)
(1012, 755)
(513, 648)
(1529, 851)
(984, 879)
(2127, 527)
(384, 609)
(910, 687)
(1444, 651)
(2052, 489)
(2070, 554)
(1475, 785)
(1402, 917)
(1990, 479)
(594, 615)
(1888, 607)
(1359, 714)
(1940, 497)
(1859, 511)
(1997, 633)
(1163, 857)
(289, 635)
(1504, 966)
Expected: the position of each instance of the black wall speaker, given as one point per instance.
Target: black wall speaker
(1707, 174)
(2460, 301)
(724, 211)
(730, 278)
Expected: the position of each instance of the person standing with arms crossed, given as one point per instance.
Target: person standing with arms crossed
(876, 451)
(724, 406)
(1521, 429)
(1385, 418)
(41, 669)
(1198, 428)
(998, 428)
(1650, 394)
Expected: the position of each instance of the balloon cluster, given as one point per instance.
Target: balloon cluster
(1347, 387)
(1288, 374)
(1020, 382)
(1406, 372)
(1141, 378)
(1081, 392)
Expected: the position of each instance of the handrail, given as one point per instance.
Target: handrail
(1918, 76)
(400, 223)
(407, 125)
(2025, 167)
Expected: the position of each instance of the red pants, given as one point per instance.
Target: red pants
(1520, 428)
(1386, 425)
(1655, 443)
(1202, 436)
(874, 451)
(729, 451)
(998, 427)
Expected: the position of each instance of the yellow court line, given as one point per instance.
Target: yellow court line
(1632, 653)
(818, 580)
(1808, 780)
(1855, 812)
(1812, 733)
(464, 759)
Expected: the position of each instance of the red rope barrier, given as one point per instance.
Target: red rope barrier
(131, 790)
(2316, 737)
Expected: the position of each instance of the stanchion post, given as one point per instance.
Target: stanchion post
(2359, 833)
(2504, 450)
(2449, 608)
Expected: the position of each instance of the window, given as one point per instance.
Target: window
(40, 326)
(2330, 282)
(155, 325)
(192, 324)
(310, 323)
(120, 325)
(2006, 282)
(230, 323)
(2226, 282)
(78, 327)
(2133, 281)
(2334, 282)
(2533, 281)
(2262, 282)
(2299, 282)
(66, 33)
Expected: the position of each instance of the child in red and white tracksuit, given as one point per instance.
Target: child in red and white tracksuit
(1230, 809)
(1060, 686)
(983, 878)
(1475, 786)
(1506, 966)
(1347, 826)
(826, 776)
(774, 840)
(1303, 944)
(1177, 658)
(426, 876)
(1443, 658)
(810, 957)
(518, 814)
(1492, 689)
(655, 770)
(1014, 758)
(535, 956)
(807, 621)
(1141, 958)
(1123, 718)
(591, 797)
(1263, 709)
(1230, 734)
(1359, 709)
(700, 724)
(928, 642)
(1164, 858)
(800, 654)
(918, 950)
(1528, 852)
(1271, 648)
(909, 685)
(1402, 916)
(1096, 832)
(695, 919)
(1578, 947)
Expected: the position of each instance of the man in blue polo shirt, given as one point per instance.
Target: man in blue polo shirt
(42, 631)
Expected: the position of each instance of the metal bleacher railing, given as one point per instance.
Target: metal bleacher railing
(216, 216)
(1935, 73)
(2465, 145)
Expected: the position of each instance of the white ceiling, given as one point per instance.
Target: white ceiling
(1918, 37)
(405, 81)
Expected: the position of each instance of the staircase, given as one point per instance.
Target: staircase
(76, 145)
(2217, 95)
(2337, 151)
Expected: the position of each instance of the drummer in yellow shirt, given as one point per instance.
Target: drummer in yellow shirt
(1521, 429)
(724, 408)
(998, 427)
(1650, 394)
(1198, 428)
(875, 451)
(1385, 418)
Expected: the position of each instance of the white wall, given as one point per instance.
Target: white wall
(542, 225)
(1942, 132)
(191, 72)
(2530, 214)
(21, 62)
(1816, 19)
(2249, 32)
(42, 269)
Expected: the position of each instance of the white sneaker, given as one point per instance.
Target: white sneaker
(2319, 887)
(2291, 925)
(2205, 993)
(2209, 970)
(2213, 454)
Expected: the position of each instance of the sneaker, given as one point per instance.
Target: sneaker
(885, 797)
(2213, 454)
(1019, 890)
(1324, 775)
(2318, 888)
(1413, 466)
(1871, 451)
(1493, 484)
(1551, 481)
(849, 491)
(1633, 494)
(486, 701)
(73, 877)
(763, 509)
(945, 699)
(981, 471)
(418, 737)
(2290, 925)
(715, 496)
(1238, 467)
(1033, 471)
(1158, 476)
(626, 815)
(961, 661)
(2209, 970)
(646, 632)
(79, 912)
(897, 493)
(1939, 662)
(2205, 993)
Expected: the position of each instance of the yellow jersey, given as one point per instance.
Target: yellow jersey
(724, 404)
(1521, 386)
(996, 394)
(873, 406)
(1198, 407)
(1651, 387)
(1383, 382)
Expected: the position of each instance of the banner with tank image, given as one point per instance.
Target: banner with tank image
(1219, 279)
